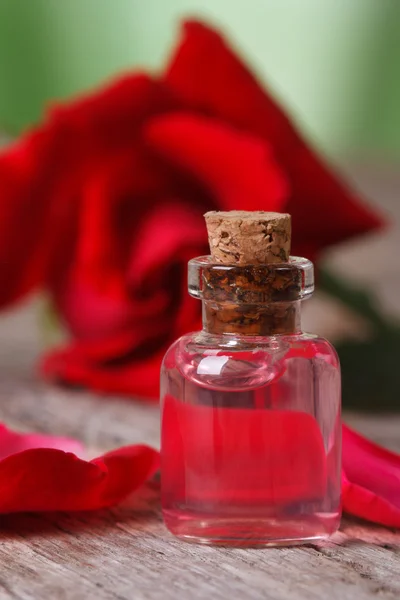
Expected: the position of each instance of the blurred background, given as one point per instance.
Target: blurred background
(335, 65)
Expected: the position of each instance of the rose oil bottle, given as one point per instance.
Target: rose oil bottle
(251, 432)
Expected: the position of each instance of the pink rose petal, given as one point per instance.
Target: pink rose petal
(12, 442)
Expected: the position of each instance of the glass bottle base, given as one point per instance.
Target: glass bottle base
(250, 531)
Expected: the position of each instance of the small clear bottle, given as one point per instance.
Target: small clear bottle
(251, 431)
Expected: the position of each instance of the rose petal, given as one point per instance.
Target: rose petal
(115, 200)
(12, 442)
(206, 75)
(371, 479)
(363, 503)
(124, 322)
(294, 468)
(371, 466)
(238, 168)
(118, 373)
(48, 480)
(170, 228)
(173, 233)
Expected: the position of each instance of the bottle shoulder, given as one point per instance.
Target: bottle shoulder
(238, 362)
(301, 345)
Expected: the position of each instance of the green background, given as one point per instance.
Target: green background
(334, 63)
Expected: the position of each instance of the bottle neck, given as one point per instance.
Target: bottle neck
(276, 318)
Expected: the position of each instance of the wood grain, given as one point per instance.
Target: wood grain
(126, 553)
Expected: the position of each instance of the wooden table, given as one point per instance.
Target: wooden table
(126, 553)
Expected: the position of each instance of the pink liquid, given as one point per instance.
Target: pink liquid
(253, 466)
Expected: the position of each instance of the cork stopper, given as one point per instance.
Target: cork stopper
(253, 249)
(249, 238)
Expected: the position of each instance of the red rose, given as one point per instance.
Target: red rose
(102, 205)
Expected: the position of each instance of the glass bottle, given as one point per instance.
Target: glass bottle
(251, 431)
